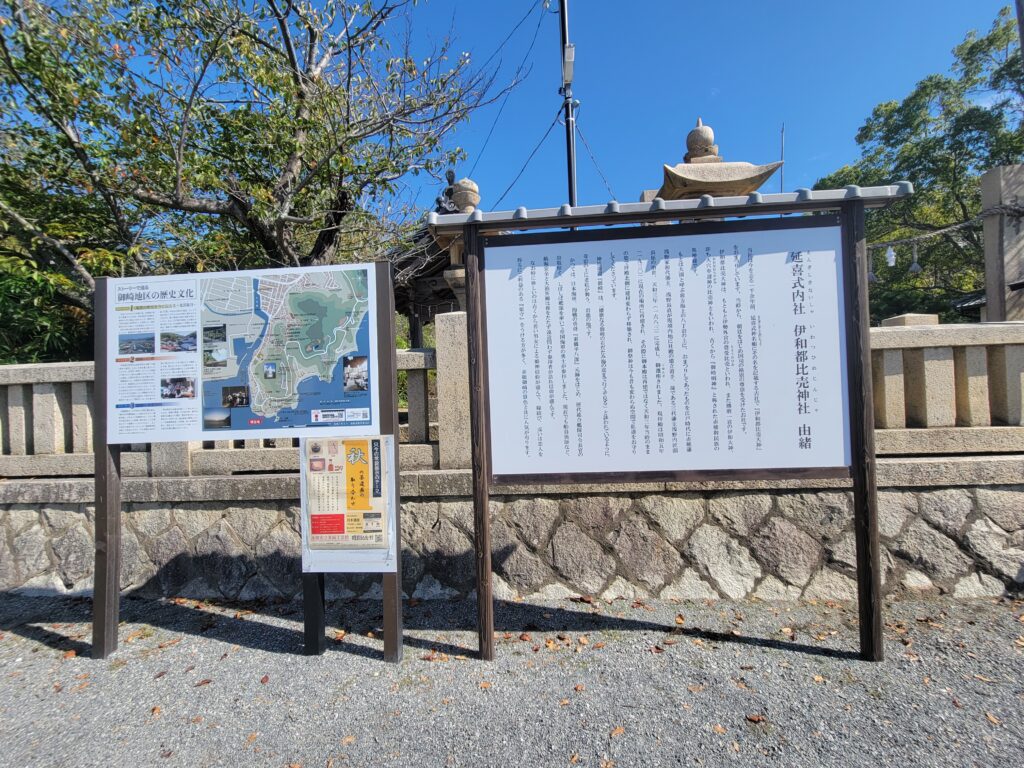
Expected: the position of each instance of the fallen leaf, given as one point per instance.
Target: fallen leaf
(574, 759)
(657, 649)
(583, 640)
(818, 679)
(735, 746)
(580, 688)
(992, 718)
(265, 679)
(155, 711)
(957, 704)
(484, 684)
(719, 729)
(80, 686)
(167, 753)
(250, 738)
(680, 619)
(756, 718)
(598, 646)
(169, 643)
(607, 763)
(197, 719)
(205, 681)
(160, 674)
(984, 679)
(339, 635)
(348, 740)
(70, 654)
(563, 703)
(57, 687)
(695, 688)
(525, 637)
(617, 731)
(669, 642)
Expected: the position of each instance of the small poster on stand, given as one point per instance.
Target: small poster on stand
(348, 504)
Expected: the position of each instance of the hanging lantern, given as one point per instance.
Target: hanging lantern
(890, 256)
(915, 267)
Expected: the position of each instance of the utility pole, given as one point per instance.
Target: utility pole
(568, 60)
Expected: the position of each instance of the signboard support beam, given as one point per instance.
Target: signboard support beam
(106, 601)
(479, 429)
(862, 432)
(314, 625)
(387, 357)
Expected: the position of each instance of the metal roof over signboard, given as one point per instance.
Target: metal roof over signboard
(614, 212)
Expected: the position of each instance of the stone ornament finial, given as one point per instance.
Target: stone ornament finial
(466, 195)
(700, 145)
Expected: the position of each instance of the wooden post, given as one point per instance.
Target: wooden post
(387, 361)
(313, 614)
(106, 596)
(478, 432)
(862, 431)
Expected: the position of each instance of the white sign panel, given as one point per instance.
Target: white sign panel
(348, 493)
(249, 354)
(687, 352)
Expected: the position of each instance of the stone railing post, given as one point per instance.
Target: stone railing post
(452, 390)
(172, 459)
(1004, 244)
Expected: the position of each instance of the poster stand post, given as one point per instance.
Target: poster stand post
(107, 570)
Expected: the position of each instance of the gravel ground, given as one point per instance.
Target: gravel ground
(575, 683)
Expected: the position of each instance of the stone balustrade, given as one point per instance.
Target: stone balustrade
(939, 390)
(46, 423)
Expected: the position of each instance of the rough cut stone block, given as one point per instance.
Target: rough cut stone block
(645, 556)
(930, 387)
(74, 553)
(452, 390)
(136, 566)
(916, 582)
(431, 589)
(579, 560)
(894, 508)
(596, 515)
(787, 551)
(676, 516)
(223, 560)
(830, 585)
(149, 520)
(534, 519)
(725, 560)
(996, 550)
(193, 519)
(620, 589)
(60, 516)
(689, 586)
(977, 585)
(250, 523)
(938, 556)
(888, 388)
(740, 513)
(1006, 383)
(1004, 506)
(947, 509)
(9, 577)
(825, 515)
(279, 559)
(971, 368)
(771, 589)
(30, 552)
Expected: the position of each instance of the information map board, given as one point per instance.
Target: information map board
(247, 354)
(668, 349)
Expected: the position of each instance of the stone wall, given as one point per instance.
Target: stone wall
(775, 543)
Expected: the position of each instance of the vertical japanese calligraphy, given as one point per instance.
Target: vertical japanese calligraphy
(626, 353)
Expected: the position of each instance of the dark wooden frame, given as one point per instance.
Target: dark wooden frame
(106, 591)
(858, 361)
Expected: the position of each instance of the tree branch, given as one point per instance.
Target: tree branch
(55, 244)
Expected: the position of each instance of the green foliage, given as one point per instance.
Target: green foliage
(942, 137)
(158, 136)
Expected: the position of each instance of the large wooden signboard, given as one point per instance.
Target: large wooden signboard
(261, 353)
(715, 349)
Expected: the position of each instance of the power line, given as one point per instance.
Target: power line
(593, 159)
(508, 37)
(508, 93)
(534, 152)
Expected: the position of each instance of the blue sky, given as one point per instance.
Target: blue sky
(646, 70)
